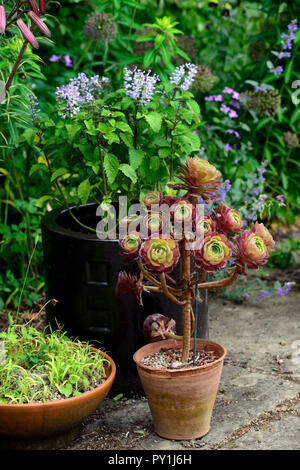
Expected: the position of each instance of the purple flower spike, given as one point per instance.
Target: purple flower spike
(183, 76)
(139, 85)
(277, 70)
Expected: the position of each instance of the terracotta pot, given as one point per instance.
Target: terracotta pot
(181, 401)
(51, 424)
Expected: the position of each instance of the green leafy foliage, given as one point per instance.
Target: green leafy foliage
(38, 367)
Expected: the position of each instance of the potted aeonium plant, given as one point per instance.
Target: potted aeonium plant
(97, 144)
(180, 375)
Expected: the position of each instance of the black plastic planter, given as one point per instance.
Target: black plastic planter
(81, 273)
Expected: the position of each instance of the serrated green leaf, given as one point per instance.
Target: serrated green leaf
(72, 130)
(193, 140)
(154, 120)
(83, 191)
(135, 158)
(194, 107)
(127, 139)
(124, 127)
(164, 152)
(111, 167)
(129, 172)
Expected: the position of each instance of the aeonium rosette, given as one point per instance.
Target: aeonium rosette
(183, 212)
(227, 219)
(159, 253)
(130, 245)
(152, 223)
(249, 249)
(215, 252)
(264, 233)
(127, 223)
(199, 178)
(153, 197)
(205, 225)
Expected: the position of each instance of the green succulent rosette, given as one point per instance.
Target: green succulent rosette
(159, 253)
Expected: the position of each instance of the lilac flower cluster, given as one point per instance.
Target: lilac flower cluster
(285, 289)
(223, 190)
(184, 75)
(227, 109)
(213, 98)
(80, 92)
(289, 38)
(231, 112)
(257, 199)
(279, 291)
(277, 70)
(287, 43)
(263, 294)
(235, 95)
(66, 59)
(33, 108)
(139, 85)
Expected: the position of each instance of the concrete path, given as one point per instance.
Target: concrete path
(258, 401)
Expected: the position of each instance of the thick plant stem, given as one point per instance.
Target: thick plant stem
(16, 66)
(187, 297)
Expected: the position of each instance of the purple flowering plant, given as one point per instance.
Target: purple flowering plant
(99, 143)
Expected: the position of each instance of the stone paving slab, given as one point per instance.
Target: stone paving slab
(262, 335)
(281, 435)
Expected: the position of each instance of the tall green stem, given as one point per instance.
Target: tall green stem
(86, 50)
(102, 165)
(16, 66)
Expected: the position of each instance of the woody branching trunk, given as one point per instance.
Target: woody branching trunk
(184, 296)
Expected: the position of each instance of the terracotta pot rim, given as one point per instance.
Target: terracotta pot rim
(108, 382)
(183, 370)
